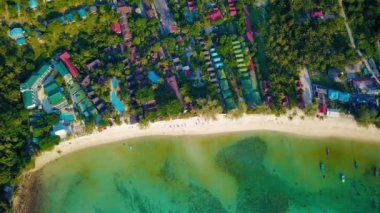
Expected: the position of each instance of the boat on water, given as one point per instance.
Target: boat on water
(356, 165)
(322, 166)
(327, 151)
(342, 178)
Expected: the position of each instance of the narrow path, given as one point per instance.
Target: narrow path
(352, 40)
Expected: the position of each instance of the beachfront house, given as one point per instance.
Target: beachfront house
(30, 87)
(65, 57)
(55, 96)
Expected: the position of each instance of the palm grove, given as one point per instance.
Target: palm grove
(287, 40)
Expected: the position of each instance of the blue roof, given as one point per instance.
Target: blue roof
(21, 41)
(69, 17)
(82, 13)
(153, 77)
(61, 19)
(33, 4)
(16, 32)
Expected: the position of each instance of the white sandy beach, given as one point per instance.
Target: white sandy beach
(329, 127)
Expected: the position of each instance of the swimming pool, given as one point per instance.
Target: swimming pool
(119, 106)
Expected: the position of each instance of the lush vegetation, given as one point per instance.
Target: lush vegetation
(286, 40)
(364, 20)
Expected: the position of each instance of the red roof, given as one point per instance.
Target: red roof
(233, 11)
(115, 27)
(150, 13)
(248, 24)
(125, 9)
(215, 14)
(317, 14)
(65, 57)
(323, 108)
(251, 65)
(173, 28)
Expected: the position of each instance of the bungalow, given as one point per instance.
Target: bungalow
(367, 86)
(65, 57)
(93, 65)
(116, 28)
(93, 9)
(69, 17)
(82, 13)
(33, 4)
(215, 14)
(323, 108)
(317, 14)
(190, 5)
(335, 113)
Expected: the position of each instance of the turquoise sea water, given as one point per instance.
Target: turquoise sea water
(243, 172)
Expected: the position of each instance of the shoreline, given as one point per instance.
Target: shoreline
(343, 127)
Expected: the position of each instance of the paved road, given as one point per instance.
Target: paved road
(166, 17)
(352, 40)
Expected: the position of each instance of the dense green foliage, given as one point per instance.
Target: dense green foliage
(364, 18)
(286, 40)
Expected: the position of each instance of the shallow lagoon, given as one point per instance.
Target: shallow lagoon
(239, 172)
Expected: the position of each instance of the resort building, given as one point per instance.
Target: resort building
(223, 82)
(33, 4)
(34, 82)
(65, 57)
(215, 14)
(123, 21)
(82, 13)
(247, 78)
(62, 70)
(55, 96)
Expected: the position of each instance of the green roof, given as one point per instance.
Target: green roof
(80, 95)
(61, 69)
(57, 98)
(74, 87)
(243, 69)
(30, 82)
(27, 97)
(51, 88)
(35, 76)
(221, 74)
(227, 94)
(230, 103)
(224, 84)
(43, 69)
